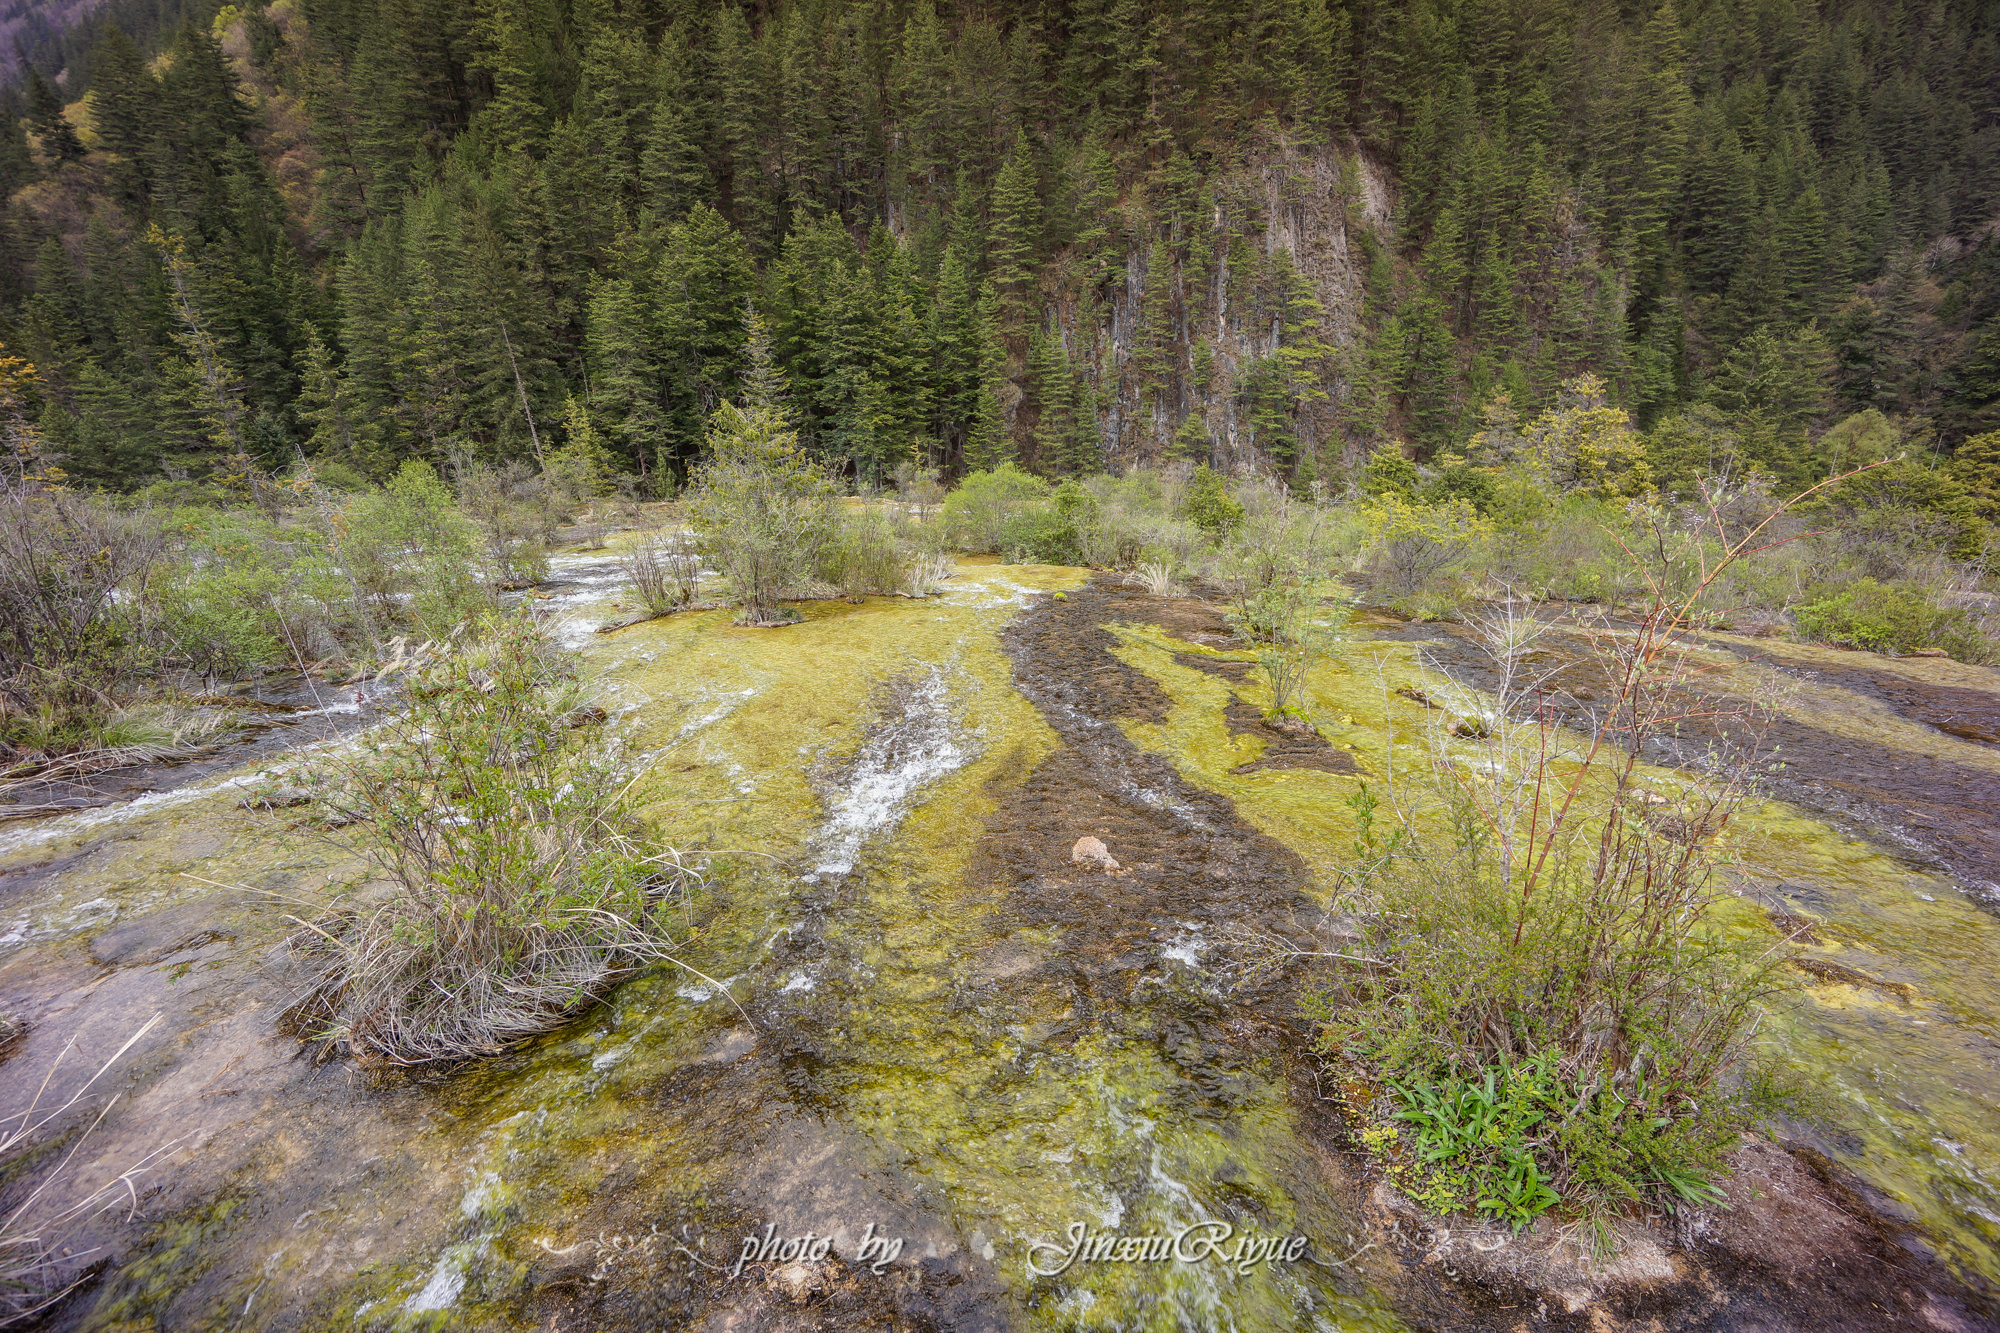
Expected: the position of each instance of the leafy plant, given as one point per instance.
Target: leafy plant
(979, 510)
(765, 514)
(524, 887)
(1411, 545)
(1538, 987)
(1886, 618)
(1208, 504)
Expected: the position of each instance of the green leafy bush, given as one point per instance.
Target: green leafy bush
(1889, 618)
(866, 559)
(1209, 505)
(1039, 537)
(411, 557)
(1584, 1043)
(765, 515)
(1412, 547)
(977, 513)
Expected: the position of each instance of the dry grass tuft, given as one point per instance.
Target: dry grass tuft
(40, 1261)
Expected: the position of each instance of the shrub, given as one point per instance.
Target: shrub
(517, 511)
(1905, 508)
(1888, 618)
(246, 592)
(1410, 546)
(523, 888)
(1579, 1039)
(1081, 515)
(919, 486)
(1069, 531)
(412, 556)
(978, 512)
(1530, 1002)
(665, 574)
(764, 514)
(71, 575)
(1284, 620)
(1572, 551)
(1039, 537)
(866, 559)
(1209, 506)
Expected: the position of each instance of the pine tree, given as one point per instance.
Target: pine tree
(1017, 224)
(341, 429)
(52, 127)
(988, 443)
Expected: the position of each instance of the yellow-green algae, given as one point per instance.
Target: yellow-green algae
(1019, 1134)
(1022, 1138)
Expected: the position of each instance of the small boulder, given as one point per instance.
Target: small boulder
(1091, 852)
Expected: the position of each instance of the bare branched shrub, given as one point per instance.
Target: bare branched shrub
(71, 575)
(523, 888)
(665, 573)
(517, 511)
(926, 574)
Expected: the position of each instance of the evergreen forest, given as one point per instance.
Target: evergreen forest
(1274, 238)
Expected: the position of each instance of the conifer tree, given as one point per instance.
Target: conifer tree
(52, 127)
(1017, 224)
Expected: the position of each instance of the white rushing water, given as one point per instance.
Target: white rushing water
(918, 741)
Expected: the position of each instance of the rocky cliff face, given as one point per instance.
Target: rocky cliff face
(1256, 303)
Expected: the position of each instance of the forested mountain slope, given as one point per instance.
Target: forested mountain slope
(1277, 234)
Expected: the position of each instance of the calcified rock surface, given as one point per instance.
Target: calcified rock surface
(960, 1028)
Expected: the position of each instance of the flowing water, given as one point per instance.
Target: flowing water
(921, 1019)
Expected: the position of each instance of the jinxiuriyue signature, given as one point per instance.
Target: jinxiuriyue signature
(1191, 1244)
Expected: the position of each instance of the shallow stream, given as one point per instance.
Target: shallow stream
(939, 1027)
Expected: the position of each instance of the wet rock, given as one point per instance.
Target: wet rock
(275, 798)
(1090, 851)
(1829, 973)
(731, 1045)
(1543, 1260)
(801, 1280)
